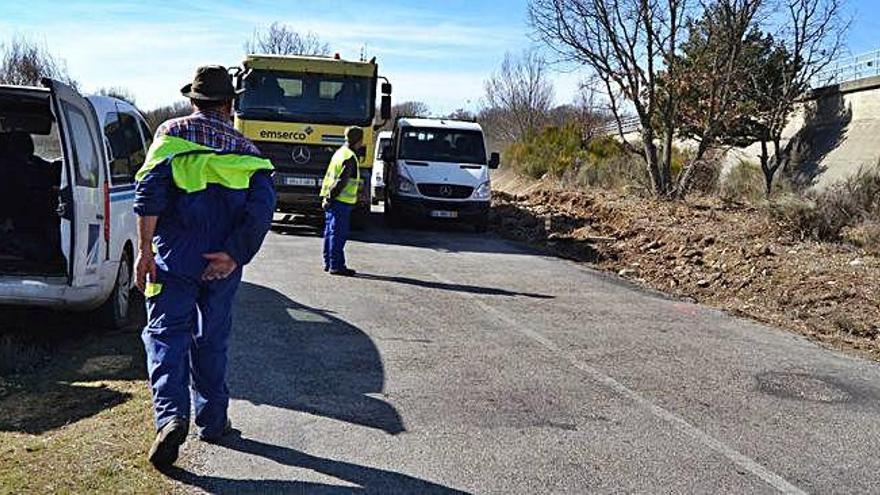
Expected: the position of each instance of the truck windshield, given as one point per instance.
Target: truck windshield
(318, 98)
(443, 145)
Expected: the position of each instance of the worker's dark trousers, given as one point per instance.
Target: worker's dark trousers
(188, 326)
(336, 228)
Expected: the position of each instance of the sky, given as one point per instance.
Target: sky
(439, 52)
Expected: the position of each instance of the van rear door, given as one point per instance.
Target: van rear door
(82, 195)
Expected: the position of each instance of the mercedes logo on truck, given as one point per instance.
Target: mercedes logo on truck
(301, 155)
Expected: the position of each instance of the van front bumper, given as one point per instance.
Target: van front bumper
(425, 208)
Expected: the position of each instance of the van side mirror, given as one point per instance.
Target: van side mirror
(385, 108)
(494, 160)
(386, 88)
(387, 154)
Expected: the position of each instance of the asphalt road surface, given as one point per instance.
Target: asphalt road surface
(463, 363)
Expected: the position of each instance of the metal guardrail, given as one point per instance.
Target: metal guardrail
(848, 69)
(628, 124)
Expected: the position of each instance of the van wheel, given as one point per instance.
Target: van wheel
(116, 311)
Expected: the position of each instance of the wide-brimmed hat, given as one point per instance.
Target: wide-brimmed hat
(211, 83)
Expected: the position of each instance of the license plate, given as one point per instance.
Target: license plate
(300, 181)
(444, 214)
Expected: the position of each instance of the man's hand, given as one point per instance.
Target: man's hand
(145, 265)
(221, 266)
(325, 203)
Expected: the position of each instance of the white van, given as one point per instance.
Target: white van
(67, 229)
(377, 181)
(438, 168)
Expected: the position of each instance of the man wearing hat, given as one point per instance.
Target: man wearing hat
(340, 192)
(204, 201)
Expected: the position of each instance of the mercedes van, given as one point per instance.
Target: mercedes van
(67, 227)
(438, 168)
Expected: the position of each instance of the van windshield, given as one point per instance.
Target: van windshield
(443, 145)
(318, 98)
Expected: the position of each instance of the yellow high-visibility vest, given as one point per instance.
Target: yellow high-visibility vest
(349, 192)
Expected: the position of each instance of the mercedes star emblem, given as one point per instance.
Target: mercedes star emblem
(301, 155)
(445, 191)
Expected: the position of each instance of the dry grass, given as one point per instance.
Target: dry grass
(75, 412)
(731, 256)
(849, 209)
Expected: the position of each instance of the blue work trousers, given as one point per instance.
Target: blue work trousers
(336, 229)
(186, 337)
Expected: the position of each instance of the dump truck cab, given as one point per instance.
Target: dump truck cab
(296, 108)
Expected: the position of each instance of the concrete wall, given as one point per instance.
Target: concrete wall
(837, 133)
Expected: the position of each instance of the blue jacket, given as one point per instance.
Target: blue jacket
(206, 201)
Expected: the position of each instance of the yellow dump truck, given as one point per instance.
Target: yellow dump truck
(296, 108)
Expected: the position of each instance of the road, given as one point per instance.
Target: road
(465, 363)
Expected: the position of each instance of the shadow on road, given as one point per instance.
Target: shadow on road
(471, 289)
(441, 236)
(368, 480)
(292, 356)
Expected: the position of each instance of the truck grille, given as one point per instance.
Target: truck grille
(445, 191)
(297, 156)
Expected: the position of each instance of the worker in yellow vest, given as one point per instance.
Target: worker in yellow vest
(340, 192)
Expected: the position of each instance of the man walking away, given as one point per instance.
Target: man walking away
(340, 193)
(204, 201)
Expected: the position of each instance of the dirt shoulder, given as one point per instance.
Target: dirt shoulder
(75, 412)
(730, 256)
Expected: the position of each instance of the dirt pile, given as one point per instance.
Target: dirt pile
(730, 256)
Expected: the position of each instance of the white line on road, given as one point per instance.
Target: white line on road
(741, 460)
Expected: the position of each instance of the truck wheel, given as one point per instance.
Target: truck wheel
(116, 310)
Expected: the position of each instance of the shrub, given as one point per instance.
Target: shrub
(744, 182)
(553, 150)
(850, 207)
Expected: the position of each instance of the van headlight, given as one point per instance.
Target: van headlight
(405, 186)
(483, 191)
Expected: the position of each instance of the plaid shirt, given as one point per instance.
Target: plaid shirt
(208, 128)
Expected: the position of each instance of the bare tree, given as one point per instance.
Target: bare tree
(280, 39)
(156, 116)
(24, 62)
(410, 109)
(461, 114)
(406, 109)
(811, 36)
(590, 114)
(522, 92)
(632, 50)
(117, 92)
(625, 44)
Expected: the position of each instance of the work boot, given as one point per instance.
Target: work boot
(227, 429)
(167, 444)
(345, 272)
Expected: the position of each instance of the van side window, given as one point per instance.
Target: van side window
(121, 130)
(148, 136)
(85, 156)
